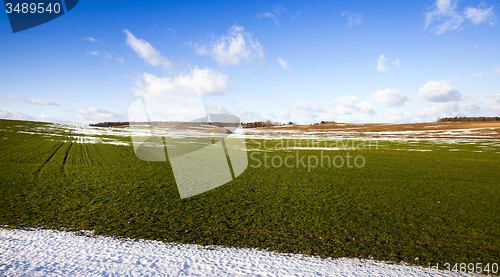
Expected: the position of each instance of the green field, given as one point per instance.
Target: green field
(435, 200)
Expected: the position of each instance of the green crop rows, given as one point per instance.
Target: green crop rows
(442, 205)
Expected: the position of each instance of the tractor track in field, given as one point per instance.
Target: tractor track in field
(88, 154)
(53, 154)
(67, 152)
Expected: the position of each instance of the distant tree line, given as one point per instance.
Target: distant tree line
(111, 124)
(468, 119)
(257, 124)
(324, 122)
(260, 124)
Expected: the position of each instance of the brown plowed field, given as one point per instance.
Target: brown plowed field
(454, 130)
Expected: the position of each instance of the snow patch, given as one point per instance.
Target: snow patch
(55, 253)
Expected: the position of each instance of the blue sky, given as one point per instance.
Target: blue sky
(346, 61)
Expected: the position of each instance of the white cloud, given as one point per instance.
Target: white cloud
(210, 82)
(283, 63)
(12, 98)
(201, 81)
(494, 99)
(179, 98)
(476, 75)
(353, 19)
(120, 59)
(250, 116)
(347, 105)
(309, 111)
(305, 106)
(381, 66)
(285, 115)
(440, 91)
(106, 56)
(449, 109)
(274, 14)
(91, 39)
(92, 114)
(389, 98)
(444, 11)
(236, 47)
(448, 18)
(478, 15)
(170, 32)
(215, 108)
(396, 63)
(10, 114)
(270, 16)
(144, 50)
(38, 101)
(296, 15)
(496, 69)
(124, 95)
(365, 107)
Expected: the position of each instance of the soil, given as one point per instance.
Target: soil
(466, 130)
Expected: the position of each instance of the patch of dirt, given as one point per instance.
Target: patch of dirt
(462, 130)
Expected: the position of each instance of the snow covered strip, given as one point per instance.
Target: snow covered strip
(57, 253)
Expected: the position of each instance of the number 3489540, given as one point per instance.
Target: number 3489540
(33, 8)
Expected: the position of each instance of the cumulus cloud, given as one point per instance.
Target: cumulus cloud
(494, 99)
(203, 81)
(389, 98)
(444, 11)
(38, 101)
(283, 63)
(276, 12)
(381, 66)
(352, 18)
(234, 48)
(440, 91)
(478, 16)
(309, 110)
(306, 106)
(10, 114)
(179, 98)
(215, 108)
(448, 18)
(144, 50)
(347, 105)
(93, 114)
(250, 116)
(285, 115)
(449, 109)
(365, 107)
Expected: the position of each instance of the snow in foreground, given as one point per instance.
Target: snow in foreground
(49, 253)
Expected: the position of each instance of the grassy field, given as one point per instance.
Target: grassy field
(416, 201)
